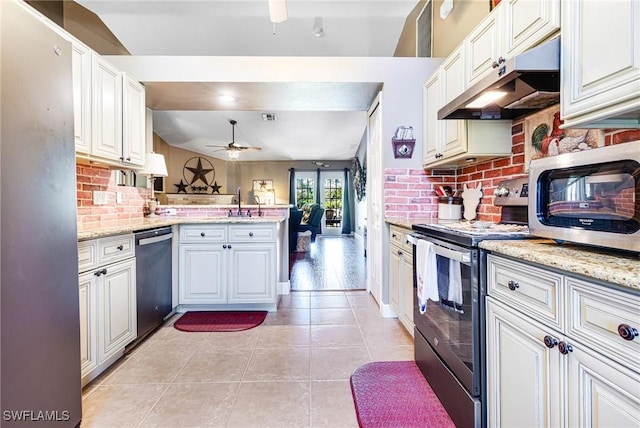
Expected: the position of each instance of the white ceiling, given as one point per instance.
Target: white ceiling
(321, 121)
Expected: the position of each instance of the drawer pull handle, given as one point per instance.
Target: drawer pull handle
(120, 247)
(550, 342)
(202, 234)
(101, 272)
(627, 332)
(250, 233)
(564, 348)
(513, 285)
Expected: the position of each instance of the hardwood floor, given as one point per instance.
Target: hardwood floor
(333, 263)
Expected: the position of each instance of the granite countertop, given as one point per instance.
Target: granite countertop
(611, 266)
(150, 223)
(407, 223)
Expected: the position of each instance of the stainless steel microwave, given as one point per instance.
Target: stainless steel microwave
(589, 197)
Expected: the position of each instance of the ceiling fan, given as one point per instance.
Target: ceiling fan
(233, 150)
(322, 164)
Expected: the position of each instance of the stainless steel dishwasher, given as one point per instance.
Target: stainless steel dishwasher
(153, 278)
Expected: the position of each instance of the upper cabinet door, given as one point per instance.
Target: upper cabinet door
(483, 48)
(133, 121)
(106, 135)
(528, 22)
(600, 65)
(431, 126)
(81, 61)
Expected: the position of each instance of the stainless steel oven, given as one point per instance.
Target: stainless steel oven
(450, 330)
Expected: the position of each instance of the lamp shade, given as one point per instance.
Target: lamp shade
(154, 165)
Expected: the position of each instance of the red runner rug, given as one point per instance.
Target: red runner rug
(220, 321)
(396, 394)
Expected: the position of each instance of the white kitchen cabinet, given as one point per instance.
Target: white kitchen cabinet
(81, 96)
(401, 276)
(513, 27)
(579, 370)
(455, 142)
(133, 121)
(106, 124)
(107, 268)
(227, 265)
(600, 64)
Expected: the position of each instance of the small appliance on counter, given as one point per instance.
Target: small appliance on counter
(590, 197)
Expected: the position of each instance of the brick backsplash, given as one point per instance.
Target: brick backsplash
(409, 193)
(90, 178)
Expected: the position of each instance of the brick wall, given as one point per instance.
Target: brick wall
(409, 193)
(90, 178)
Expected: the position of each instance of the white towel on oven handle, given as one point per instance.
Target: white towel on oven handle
(427, 281)
(455, 283)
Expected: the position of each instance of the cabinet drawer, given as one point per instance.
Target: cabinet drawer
(115, 249)
(87, 255)
(406, 245)
(252, 233)
(536, 292)
(596, 313)
(203, 233)
(395, 236)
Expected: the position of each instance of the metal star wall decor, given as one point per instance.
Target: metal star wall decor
(199, 189)
(215, 188)
(198, 169)
(182, 187)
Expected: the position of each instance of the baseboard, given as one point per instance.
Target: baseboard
(387, 312)
(284, 287)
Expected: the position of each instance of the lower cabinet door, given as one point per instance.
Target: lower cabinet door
(406, 292)
(88, 323)
(523, 375)
(395, 267)
(252, 275)
(118, 307)
(602, 393)
(202, 271)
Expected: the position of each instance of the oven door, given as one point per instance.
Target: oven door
(453, 330)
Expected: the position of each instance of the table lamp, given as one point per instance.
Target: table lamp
(154, 166)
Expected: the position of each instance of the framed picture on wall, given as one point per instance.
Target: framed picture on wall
(158, 185)
(543, 136)
(262, 184)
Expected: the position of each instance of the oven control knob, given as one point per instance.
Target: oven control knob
(501, 191)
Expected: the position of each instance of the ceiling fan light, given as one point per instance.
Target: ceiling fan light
(317, 29)
(278, 11)
(233, 154)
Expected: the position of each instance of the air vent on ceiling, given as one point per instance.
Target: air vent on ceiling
(269, 117)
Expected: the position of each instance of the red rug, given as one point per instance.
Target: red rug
(220, 321)
(396, 394)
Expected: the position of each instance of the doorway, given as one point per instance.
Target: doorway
(331, 187)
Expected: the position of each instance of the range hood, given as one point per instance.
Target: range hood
(527, 82)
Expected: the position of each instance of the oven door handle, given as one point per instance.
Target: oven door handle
(445, 252)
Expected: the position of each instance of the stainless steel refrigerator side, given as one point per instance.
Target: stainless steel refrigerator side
(40, 327)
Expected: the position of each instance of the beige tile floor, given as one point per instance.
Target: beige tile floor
(291, 371)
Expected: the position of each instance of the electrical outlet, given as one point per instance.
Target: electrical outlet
(171, 211)
(99, 197)
(118, 197)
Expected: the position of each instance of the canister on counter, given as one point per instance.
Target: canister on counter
(449, 208)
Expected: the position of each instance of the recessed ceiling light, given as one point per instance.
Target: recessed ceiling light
(226, 98)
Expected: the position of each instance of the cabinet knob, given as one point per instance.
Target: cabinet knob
(513, 285)
(120, 247)
(101, 272)
(564, 348)
(250, 233)
(627, 332)
(393, 235)
(121, 158)
(129, 159)
(497, 63)
(202, 234)
(550, 342)
(229, 246)
(224, 246)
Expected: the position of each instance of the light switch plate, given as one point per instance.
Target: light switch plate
(99, 197)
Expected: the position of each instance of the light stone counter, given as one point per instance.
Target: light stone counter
(407, 223)
(610, 266)
(127, 226)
